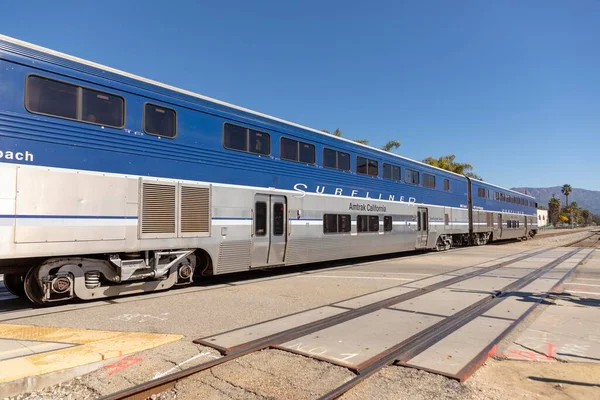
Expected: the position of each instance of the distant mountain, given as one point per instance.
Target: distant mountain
(588, 199)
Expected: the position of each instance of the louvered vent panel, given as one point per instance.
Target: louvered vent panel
(158, 209)
(234, 256)
(195, 209)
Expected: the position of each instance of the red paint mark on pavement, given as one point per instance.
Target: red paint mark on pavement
(121, 365)
(493, 351)
(550, 351)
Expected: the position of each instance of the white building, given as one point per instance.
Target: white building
(542, 216)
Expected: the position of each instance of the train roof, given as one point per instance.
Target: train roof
(209, 99)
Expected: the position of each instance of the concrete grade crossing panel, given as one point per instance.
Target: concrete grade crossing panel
(374, 297)
(451, 354)
(353, 342)
(228, 340)
(443, 302)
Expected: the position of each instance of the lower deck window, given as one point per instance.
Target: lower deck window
(334, 223)
(367, 223)
(387, 223)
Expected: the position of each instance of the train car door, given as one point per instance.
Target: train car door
(422, 227)
(269, 236)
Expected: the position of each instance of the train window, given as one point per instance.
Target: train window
(46, 96)
(391, 172)
(411, 176)
(344, 223)
(329, 158)
(343, 161)
(388, 223)
(260, 219)
(373, 168)
(278, 219)
(367, 167)
(362, 223)
(235, 137)
(373, 223)
(59, 99)
(330, 223)
(336, 159)
(387, 171)
(103, 108)
(307, 153)
(259, 142)
(480, 192)
(446, 219)
(428, 180)
(297, 151)
(289, 149)
(361, 165)
(447, 185)
(159, 121)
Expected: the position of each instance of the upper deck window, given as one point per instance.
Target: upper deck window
(160, 121)
(447, 185)
(391, 172)
(45, 96)
(297, 151)
(367, 167)
(64, 100)
(428, 180)
(336, 159)
(244, 139)
(411, 176)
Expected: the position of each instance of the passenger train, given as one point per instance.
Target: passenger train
(112, 184)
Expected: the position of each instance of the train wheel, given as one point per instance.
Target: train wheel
(32, 287)
(14, 284)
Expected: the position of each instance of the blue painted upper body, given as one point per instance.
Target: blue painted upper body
(197, 152)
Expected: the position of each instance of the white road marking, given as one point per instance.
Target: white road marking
(587, 279)
(582, 284)
(385, 273)
(579, 291)
(175, 368)
(354, 277)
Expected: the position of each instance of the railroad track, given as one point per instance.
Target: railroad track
(591, 241)
(401, 352)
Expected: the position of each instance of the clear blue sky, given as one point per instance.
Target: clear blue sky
(511, 86)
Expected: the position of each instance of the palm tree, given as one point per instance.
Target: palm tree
(392, 144)
(586, 216)
(338, 133)
(389, 146)
(448, 163)
(566, 190)
(554, 210)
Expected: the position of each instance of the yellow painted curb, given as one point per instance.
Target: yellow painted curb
(93, 346)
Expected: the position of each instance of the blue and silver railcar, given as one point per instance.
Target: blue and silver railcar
(113, 184)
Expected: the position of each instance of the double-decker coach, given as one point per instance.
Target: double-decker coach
(113, 184)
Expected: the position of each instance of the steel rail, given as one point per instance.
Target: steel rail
(144, 390)
(418, 343)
